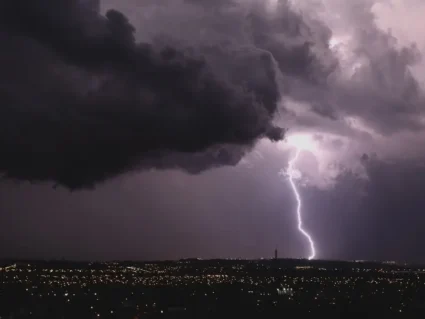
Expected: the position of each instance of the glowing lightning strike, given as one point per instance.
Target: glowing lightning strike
(297, 196)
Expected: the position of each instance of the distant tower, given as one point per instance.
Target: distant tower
(275, 253)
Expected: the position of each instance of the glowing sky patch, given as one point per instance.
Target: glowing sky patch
(303, 142)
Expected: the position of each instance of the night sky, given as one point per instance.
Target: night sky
(142, 129)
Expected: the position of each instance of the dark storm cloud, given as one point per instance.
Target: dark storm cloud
(82, 101)
(298, 44)
(369, 77)
(290, 35)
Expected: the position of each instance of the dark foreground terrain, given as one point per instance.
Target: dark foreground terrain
(209, 289)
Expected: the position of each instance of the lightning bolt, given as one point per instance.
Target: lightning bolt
(298, 197)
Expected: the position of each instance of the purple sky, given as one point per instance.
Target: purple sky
(160, 136)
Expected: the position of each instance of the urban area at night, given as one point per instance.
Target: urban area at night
(196, 288)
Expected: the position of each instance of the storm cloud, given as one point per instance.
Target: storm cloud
(88, 93)
(82, 101)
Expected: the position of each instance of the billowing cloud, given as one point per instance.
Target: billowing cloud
(194, 84)
(83, 101)
(346, 70)
(373, 101)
